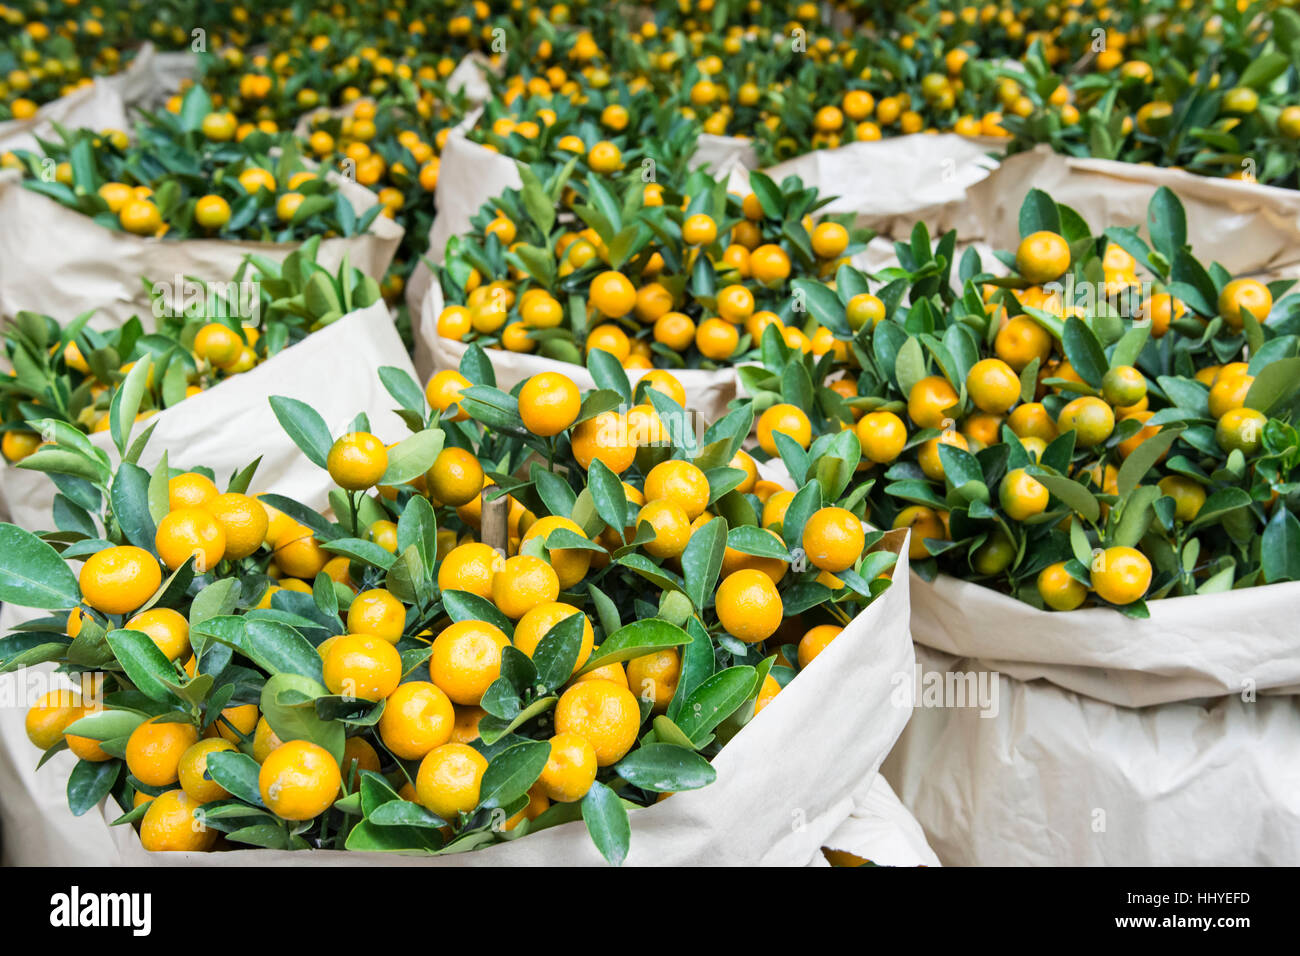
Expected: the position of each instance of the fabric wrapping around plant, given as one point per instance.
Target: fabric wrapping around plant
(335, 372)
(1113, 741)
(1249, 228)
(707, 391)
(892, 183)
(98, 106)
(71, 264)
(881, 830)
(778, 795)
(470, 175)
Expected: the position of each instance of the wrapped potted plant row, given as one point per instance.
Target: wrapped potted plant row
(1101, 494)
(184, 199)
(376, 677)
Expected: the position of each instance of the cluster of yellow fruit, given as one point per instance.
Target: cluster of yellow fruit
(1058, 444)
(474, 681)
(679, 281)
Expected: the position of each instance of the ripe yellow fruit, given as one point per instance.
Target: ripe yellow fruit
(833, 539)
(538, 621)
(378, 613)
(570, 564)
(120, 579)
(604, 713)
(363, 667)
(167, 628)
(549, 403)
(522, 583)
(170, 825)
(815, 641)
(449, 778)
(417, 717)
(193, 768)
(466, 659)
(1042, 256)
(50, 716)
(357, 461)
(1058, 589)
(190, 533)
(1021, 495)
(470, 567)
(786, 419)
(672, 528)
(993, 385)
(154, 750)
(1121, 575)
(299, 780)
(571, 768)
(930, 402)
(679, 481)
(244, 521)
(455, 478)
(749, 606)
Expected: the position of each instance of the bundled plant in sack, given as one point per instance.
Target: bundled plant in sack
(658, 278)
(377, 677)
(1067, 433)
(1218, 101)
(393, 149)
(206, 332)
(186, 176)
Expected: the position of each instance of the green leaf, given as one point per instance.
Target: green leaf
(635, 639)
(126, 402)
(90, 782)
(1084, 351)
(305, 427)
(665, 768)
(413, 456)
(556, 654)
(146, 666)
(607, 822)
(608, 494)
(715, 700)
(288, 703)
(702, 561)
(1074, 495)
(1275, 384)
(32, 574)
(512, 772)
(130, 499)
(238, 773)
(1280, 547)
(465, 606)
(1143, 458)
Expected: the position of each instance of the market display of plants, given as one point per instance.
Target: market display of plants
(1110, 422)
(546, 604)
(249, 646)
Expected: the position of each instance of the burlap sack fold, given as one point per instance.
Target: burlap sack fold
(1170, 741)
(707, 392)
(62, 263)
(98, 106)
(785, 782)
(881, 830)
(1248, 227)
(892, 183)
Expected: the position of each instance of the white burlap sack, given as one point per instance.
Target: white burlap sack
(892, 183)
(225, 428)
(707, 392)
(1171, 741)
(471, 175)
(98, 106)
(785, 782)
(61, 263)
(1247, 227)
(881, 830)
